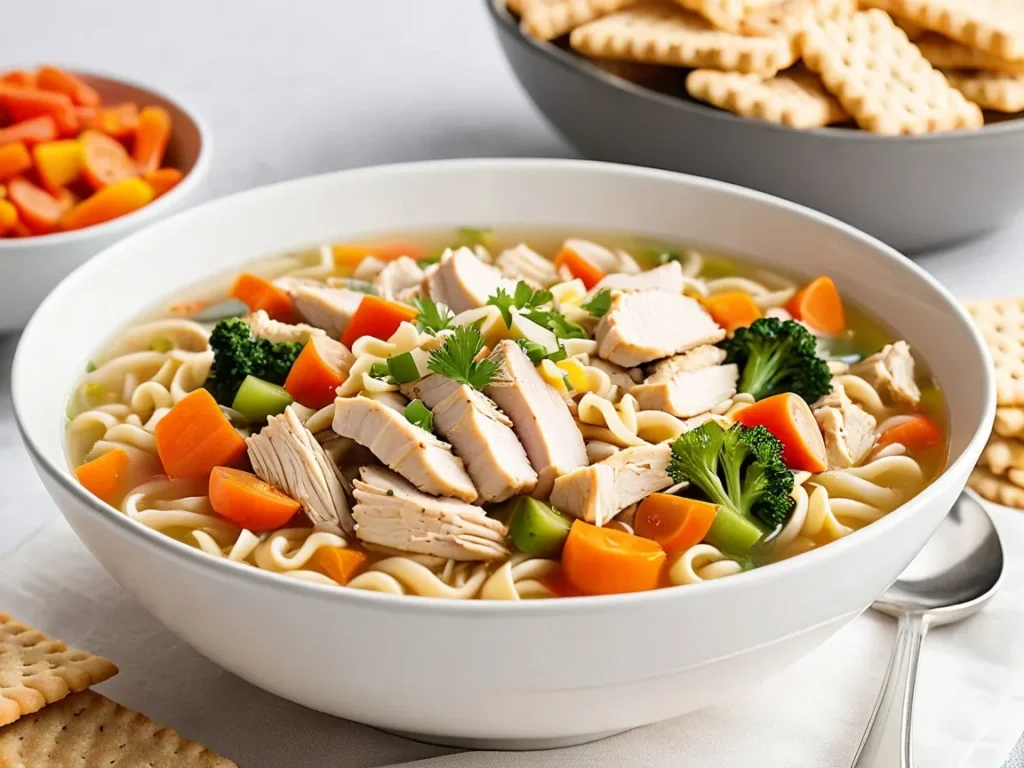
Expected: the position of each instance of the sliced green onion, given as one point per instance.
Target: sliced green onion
(476, 236)
(558, 356)
(257, 399)
(417, 413)
(403, 368)
(90, 367)
(533, 350)
(161, 344)
(380, 371)
(362, 286)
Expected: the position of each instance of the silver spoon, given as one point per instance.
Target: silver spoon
(952, 578)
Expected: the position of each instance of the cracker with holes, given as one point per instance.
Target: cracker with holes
(87, 729)
(664, 33)
(727, 14)
(795, 97)
(1001, 322)
(1009, 422)
(998, 91)
(881, 78)
(36, 670)
(949, 54)
(1003, 454)
(998, 489)
(791, 17)
(548, 19)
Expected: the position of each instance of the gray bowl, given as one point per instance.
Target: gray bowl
(914, 193)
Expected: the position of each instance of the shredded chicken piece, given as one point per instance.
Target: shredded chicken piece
(688, 384)
(848, 430)
(327, 308)
(891, 372)
(668, 277)
(462, 281)
(523, 263)
(398, 277)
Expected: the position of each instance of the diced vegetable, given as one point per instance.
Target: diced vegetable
(601, 561)
(53, 79)
(151, 138)
(316, 373)
(416, 412)
(163, 180)
(37, 209)
(789, 418)
(105, 161)
(257, 399)
(8, 216)
(14, 160)
(732, 310)
(339, 563)
(104, 476)
(58, 163)
(195, 436)
(818, 304)
(523, 327)
(347, 256)
(26, 103)
(248, 502)
(777, 356)
(675, 522)
(559, 585)
(538, 529)
(31, 132)
(258, 293)
(915, 434)
(579, 267)
(119, 121)
(403, 368)
(111, 202)
(237, 354)
(21, 77)
(376, 317)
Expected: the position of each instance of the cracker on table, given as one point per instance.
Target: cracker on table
(994, 26)
(662, 33)
(1002, 454)
(795, 97)
(727, 15)
(1009, 422)
(548, 19)
(950, 54)
(87, 729)
(997, 489)
(791, 17)
(1001, 322)
(36, 670)
(881, 78)
(998, 91)
(914, 31)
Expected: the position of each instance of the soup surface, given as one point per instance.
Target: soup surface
(506, 415)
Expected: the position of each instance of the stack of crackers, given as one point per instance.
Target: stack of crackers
(886, 66)
(49, 717)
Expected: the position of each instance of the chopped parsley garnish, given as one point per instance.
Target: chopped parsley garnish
(537, 353)
(524, 297)
(432, 317)
(417, 413)
(599, 303)
(558, 324)
(455, 359)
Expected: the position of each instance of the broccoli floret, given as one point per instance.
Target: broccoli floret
(741, 470)
(778, 356)
(237, 354)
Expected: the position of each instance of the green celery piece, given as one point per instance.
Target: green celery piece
(538, 529)
(403, 368)
(732, 532)
(258, 399)
(417, 413)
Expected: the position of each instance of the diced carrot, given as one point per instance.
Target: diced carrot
(111, 202)
(732, 310)
(3, 191)
(38, 210)
(20, 230)
(30, 132)
(51, 78)
(347, 256)
(66, 198)
(119, 121)
(257, 293)
(195, 436)
(58, 163)
(14, 160)
(599, 561)
(376, 317)
(151, 137)
(104, 476)
(20, 77)
(560, 585)
(340, 563)
(25, 103)
(789, 418)
(163, 179)
(8, 216)
(580, 267)
(105, 160)
(916, 433)
(317, 372)
(675, 522)
(818, 304)
(249, 502)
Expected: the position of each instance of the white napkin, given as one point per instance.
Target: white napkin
(970, 696)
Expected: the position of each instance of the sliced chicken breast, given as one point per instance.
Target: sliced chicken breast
(397, 277)
(390, 512)
(523, 263)
(464, 282)
(668, 277)
(287, 455)
(688, 384)
(540, 417)
(411, 451)
(263, 327)
(848, 430)
(599, 492)
(605, 259)
(480, 434)
(649, 325)
(327, 308)
(891, 372)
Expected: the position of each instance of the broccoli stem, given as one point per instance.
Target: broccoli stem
(762, 373)
(731, 532)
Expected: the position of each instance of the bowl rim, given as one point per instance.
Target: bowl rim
(247, 576)
(504, 22)
(116, 227)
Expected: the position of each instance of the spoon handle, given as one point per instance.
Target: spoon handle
(887, 743)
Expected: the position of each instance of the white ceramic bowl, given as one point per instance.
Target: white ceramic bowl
(31, 267)
(524, 674)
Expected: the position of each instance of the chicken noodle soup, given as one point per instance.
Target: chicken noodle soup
(506, 416)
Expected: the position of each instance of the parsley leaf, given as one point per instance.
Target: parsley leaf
(454, 360)
(537, 353)
(524, 297)
(432, 317)
(504, 302)
(600, 303)
(558, 324)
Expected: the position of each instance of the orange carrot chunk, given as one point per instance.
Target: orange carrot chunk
(8, 217)
(25, 103)
(14, 160)
(104, 476)
(347, 256)
(195, 436)
(54, 79)
(58, 163)
(789, 418)
(30, 131)
(916, 433)
(376, 317)
(111, 202)
(38, 210)
(339, 563)
(151, 137)
(257, 293)
(163, 180)
(317, 372)
(579, 267)
(248, 502)
(105, 161)
(119, 121)
(818, 304)
(675, 522)
(732, 310)
(601, 561)
(20, 77)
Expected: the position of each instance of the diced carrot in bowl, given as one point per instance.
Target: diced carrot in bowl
(258, 293)
(789, 418)
(14, 160)
(58, 163)
(38, 210)
(111, 202)
(51, 78)
(819, 305)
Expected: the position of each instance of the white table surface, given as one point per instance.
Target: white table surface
(308, 86)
